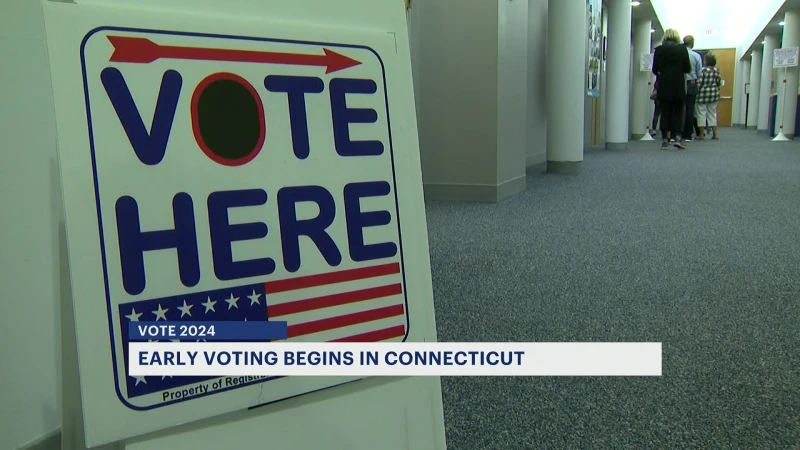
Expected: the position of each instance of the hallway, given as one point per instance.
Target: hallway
(697, 249)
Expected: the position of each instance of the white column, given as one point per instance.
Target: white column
(770, 44)
(654, 42)
(640, 101)
(740, 95)
(787, 95)
(755, 88)
(566, 84)
(618, 68)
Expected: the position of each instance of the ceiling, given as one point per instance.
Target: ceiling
(645, 11)
(773, 28)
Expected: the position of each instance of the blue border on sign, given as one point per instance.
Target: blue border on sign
(99, 211)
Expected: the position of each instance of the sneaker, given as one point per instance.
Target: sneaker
(665, 146)
(687, 140)
(680, 145)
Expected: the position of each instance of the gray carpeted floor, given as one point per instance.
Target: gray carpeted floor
(698, 249)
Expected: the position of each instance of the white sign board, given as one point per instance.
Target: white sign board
(231, 170)
(785, 57)
(646, 62)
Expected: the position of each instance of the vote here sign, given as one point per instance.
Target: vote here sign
(237, 179)
(243, 180)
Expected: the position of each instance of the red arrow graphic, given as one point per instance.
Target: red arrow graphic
(144, 51)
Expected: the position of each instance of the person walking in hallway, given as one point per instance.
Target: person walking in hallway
(670, 65)
(656, 112)
(708, 95)
(691, 86)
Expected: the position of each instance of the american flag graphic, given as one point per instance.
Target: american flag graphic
(356, 305)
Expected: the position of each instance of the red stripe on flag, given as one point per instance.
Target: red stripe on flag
(376, 336)
(328, 301)
(333, 323)
(292, 284)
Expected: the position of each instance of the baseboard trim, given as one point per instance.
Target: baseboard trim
(616, 145)
(761, 131)
(752, 127)
(565, 167)
(50, 441)
(535, 159)
(482, 193)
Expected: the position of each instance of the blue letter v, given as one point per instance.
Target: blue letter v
(149, 146)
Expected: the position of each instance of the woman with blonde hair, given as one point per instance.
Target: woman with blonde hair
(708, 95)
(670, 65)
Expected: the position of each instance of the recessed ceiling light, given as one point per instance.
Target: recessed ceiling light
(781, 23)
(652, 30)
(636, 3)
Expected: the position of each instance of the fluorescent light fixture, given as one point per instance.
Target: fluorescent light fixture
(781, 23)
(636, 3)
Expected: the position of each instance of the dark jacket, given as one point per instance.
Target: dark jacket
(671, 63)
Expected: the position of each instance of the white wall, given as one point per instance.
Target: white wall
(457, 90)
(512, 89)
(537, 110)
(479, 86)
(29, 217)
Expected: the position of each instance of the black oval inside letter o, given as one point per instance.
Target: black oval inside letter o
(228, 119)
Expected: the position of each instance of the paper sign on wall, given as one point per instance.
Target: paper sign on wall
(646, 62)
(785, 57)
(217, 176)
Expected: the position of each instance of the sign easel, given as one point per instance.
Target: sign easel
(784, 58)
(646, 65)
(143, 81)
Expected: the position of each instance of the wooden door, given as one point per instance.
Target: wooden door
(726, 63)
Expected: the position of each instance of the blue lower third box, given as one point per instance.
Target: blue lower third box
(256, 331)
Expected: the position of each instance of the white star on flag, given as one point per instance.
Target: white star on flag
(185, 309)
(254, 298)
(133, 316)
(232, 302)
(160, 313)
(209, 305)
(140, 380)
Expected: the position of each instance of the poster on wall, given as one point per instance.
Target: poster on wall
(646, 62)
(595, 47)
